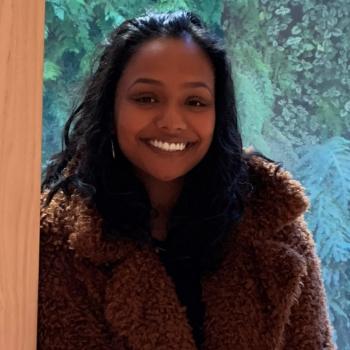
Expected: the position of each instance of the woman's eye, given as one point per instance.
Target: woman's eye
(196, 103)
(145, 99)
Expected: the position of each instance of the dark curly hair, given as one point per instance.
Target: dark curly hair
(213, 197)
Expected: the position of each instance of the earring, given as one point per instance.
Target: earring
(113, 150)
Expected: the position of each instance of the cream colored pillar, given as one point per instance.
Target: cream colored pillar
(21, 79)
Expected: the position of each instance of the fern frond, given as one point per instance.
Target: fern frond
(327, 166)
(325, 172)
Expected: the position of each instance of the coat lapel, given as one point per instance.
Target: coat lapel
(247, 301)
(141, 303)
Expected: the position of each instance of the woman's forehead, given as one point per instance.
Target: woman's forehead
(167, 56)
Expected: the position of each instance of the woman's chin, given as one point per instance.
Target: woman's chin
(159, 174)
(167, 177)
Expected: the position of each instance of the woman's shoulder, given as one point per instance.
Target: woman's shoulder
(278, 203)
(53, 219)
(53, 208)
(275, 187)
(71, 222)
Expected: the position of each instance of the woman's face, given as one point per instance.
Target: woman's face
(165, 108)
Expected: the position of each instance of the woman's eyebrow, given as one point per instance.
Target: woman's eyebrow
(159, 83)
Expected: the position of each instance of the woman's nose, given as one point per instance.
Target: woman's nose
(171, 119)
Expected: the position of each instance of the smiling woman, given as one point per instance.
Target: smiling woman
(158, 230)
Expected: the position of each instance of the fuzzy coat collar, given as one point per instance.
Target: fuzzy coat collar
(247, 301)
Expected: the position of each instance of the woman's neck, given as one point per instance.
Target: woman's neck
(163, 196)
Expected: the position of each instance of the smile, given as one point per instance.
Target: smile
(167, 147)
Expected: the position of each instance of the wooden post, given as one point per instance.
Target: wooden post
(21, 79)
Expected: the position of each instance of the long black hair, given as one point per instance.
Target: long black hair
(214, 192)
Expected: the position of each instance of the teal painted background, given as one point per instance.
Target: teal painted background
(291, 64)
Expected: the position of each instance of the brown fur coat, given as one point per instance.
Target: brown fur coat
(267, 295)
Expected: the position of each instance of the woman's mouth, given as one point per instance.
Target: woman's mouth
(168, 147)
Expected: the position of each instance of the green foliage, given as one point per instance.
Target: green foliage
(255, 96)
(209, 10)
(51, 70)
(314, 41)
(290, 62)
(325, 171)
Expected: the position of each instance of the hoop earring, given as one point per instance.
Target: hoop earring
(113, 150)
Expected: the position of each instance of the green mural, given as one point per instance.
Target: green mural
(290, 62)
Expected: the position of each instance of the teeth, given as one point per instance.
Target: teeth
(171, 147)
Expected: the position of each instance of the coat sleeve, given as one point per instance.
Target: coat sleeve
(309, 327)
(68, 317)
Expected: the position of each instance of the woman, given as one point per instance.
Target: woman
(158, 231)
